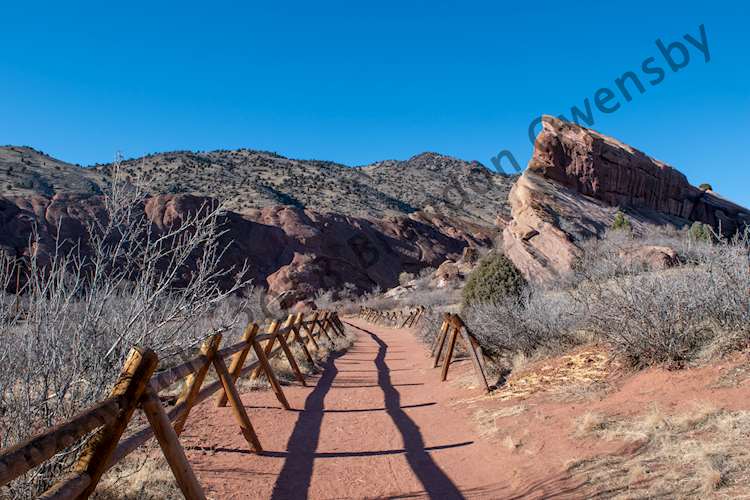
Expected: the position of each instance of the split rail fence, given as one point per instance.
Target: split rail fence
(398, 319)
(138, 386)
(444, 346)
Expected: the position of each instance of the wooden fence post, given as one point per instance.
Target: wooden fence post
(131, 384)
(170, 446)
(437, 349)
(338, 324)
(238, 360)
(297, 337)
(195, 380)
(452, 328)
(324, 324)
(311, 330)
(448, 355)
(272, 328)
(236, 402)
(266, 367)
(475, 360)
(289, 356)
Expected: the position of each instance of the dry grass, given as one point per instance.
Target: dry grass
(696, 453)
(578, 376)
(486, 420)
(139, 479)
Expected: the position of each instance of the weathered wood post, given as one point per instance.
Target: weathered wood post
(238, 360)
(130, 385)
(272, 328)
(170, 446)
(437, 349)
(310, 331)
(298, 337)
(265, 366)
(236, 402)
(449, 355)
(195, 380)
(288, 352)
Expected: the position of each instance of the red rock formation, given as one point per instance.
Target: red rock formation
(574, 183)
(605, 169)
(292, 252)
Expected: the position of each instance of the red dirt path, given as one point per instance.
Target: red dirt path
(373, 424)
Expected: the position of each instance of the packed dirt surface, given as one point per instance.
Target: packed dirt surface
(376, 422)
(373, 424)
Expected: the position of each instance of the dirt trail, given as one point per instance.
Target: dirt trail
(374, 424)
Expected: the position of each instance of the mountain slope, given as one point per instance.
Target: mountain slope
(248, 179)
(25, 171)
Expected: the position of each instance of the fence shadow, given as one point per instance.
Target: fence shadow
(296, 474)
(435, 482)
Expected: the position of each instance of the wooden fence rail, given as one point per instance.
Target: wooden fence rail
(399, 319)
(138, 387)
(444, 344)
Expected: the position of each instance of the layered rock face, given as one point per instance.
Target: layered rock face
(605, 169)
(291, 252)
(575, 182)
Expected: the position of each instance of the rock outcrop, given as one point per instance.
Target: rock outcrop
(291, 252)
(575, 182)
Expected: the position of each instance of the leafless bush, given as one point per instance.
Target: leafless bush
(84, 306)
(432, 297)
(377, 301)
(538, 321)
(429, 325)
(669, 316)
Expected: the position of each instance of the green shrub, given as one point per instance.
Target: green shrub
(621, 223)
(705, 187)
(494, 279)
(701, 232)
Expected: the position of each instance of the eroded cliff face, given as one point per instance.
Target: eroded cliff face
(291, 252)
(575, 182)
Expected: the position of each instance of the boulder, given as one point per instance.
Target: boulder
(650, 256)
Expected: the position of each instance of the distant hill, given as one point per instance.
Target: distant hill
(25, 171)
(248, 179)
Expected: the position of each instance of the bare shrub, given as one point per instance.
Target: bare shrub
(82, 308)
(435, 297)
(404, 277)
(669, 316)
(537, 321)
(429, 325)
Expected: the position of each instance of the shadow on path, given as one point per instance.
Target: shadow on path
(436, 483)
(294, 479)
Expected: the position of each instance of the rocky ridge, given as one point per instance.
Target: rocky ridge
(575, 182)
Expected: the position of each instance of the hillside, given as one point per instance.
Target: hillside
(248, 179)
(25, 171)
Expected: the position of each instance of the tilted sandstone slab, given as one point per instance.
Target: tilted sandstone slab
(575, 182)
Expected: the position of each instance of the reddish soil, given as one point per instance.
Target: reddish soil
(373, 424)
(378, 423)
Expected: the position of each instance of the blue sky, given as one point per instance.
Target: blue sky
(355, 82)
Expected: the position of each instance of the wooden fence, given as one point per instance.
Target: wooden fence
(451, 330)
(138, 386)
(398, 319)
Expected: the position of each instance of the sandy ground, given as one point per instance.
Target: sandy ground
(374, 424)
(378, 423)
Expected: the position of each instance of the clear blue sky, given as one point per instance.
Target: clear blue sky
(355, 82)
